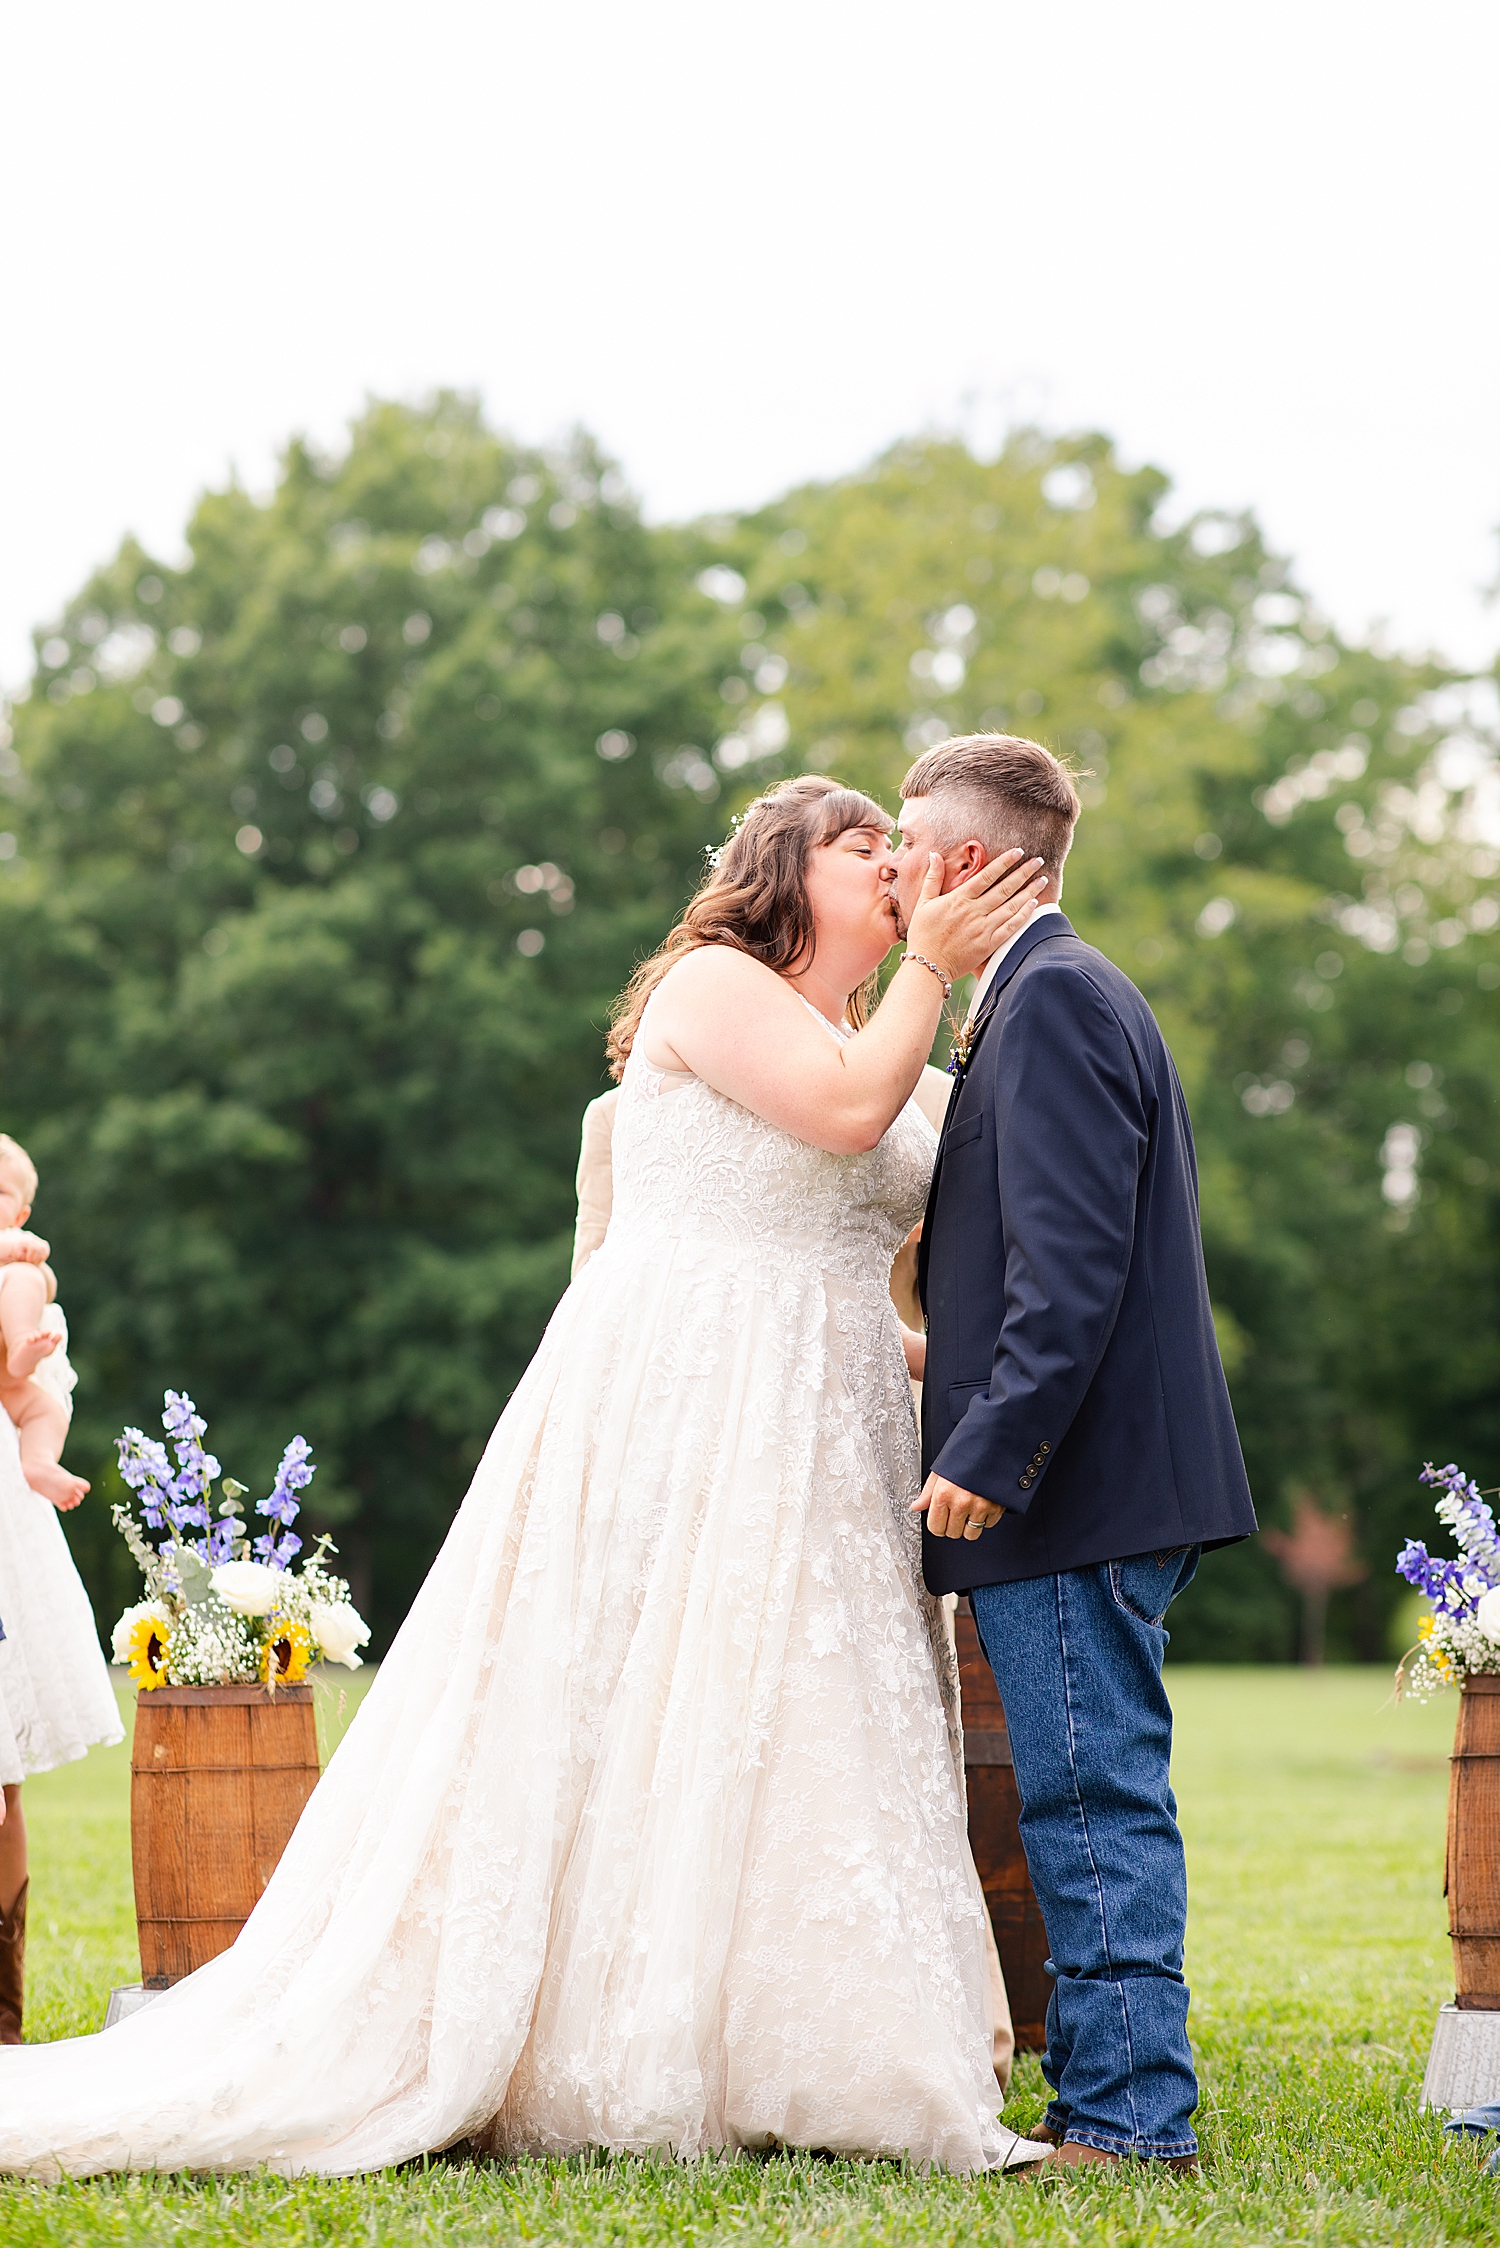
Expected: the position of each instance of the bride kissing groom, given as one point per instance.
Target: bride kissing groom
(1078, 1441)
(650, 1832)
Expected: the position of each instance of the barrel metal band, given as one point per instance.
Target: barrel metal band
(175, 1771)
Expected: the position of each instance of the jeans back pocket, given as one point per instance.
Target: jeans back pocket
(1146, 1584)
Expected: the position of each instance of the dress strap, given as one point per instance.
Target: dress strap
(841, 1031)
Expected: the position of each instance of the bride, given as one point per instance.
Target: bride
(650, 1832)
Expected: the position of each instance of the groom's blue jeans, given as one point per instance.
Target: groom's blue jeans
(1077, 1658)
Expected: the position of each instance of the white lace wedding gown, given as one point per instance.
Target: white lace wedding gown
(650, 1833)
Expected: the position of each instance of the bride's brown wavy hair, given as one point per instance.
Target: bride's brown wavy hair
(754, 895)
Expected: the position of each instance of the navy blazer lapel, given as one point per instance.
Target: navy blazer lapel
(1035, 932)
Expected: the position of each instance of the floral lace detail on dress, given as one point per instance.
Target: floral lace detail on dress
(650, 1833)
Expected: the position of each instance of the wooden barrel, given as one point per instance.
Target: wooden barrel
(1472, 1880)
(995, 1839)
(218, 1779)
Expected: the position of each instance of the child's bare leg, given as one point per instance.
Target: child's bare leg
(12, 1852)
(27, 1342)
(42, 1425)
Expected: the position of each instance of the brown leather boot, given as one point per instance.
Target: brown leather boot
(13, 1968)
(1073, 2154)
(1076, 2156)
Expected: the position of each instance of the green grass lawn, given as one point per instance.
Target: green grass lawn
(1313, 1811)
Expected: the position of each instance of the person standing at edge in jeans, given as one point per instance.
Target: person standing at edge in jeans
(1078, 1443)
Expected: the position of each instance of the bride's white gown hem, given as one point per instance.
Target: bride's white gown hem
(650, 1833)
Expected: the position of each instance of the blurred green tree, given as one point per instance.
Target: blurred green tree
(335, 845)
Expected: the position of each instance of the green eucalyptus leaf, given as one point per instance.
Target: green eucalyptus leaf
(195, 1575)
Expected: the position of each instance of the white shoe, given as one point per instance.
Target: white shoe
(1022, 2152)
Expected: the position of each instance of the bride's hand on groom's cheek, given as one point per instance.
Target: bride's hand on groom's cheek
(953, 1512)
(960, 928)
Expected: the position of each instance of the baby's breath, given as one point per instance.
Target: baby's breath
(212, 1646)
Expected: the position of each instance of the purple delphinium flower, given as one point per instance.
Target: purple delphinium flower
(176, 1499)
(1442, 1581)
(1461, 1506)
(220, 1543)
(1455, 1587)
(181, 1500)
(294, 1474)
(196, 1469)
(145, 1468)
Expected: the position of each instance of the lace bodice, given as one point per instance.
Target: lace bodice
(692, 1165)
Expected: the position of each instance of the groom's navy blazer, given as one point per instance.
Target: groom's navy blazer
(1072, 1372)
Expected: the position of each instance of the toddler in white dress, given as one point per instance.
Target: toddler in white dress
(56, 1700)
(36, 1381)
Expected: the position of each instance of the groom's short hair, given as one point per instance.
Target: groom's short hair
(1008, 793)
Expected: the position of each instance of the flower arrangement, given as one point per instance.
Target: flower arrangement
(1462, 1635)
(214, 1613)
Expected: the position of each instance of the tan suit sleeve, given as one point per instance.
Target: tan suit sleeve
(931, 1097)
(596, 1184)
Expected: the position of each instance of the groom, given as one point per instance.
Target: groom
(1077, 1438)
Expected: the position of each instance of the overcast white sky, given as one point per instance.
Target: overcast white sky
(753, 244)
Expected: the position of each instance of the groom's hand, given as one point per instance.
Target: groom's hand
(953, 1512)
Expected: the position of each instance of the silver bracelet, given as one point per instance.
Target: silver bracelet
(945, 980)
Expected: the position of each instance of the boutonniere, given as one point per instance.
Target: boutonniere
(963, 1047)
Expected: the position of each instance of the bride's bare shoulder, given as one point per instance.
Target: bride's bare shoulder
(714, 971)
(709, 1001)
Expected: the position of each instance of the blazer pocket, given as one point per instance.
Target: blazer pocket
(961, 1394)
(960, 1134)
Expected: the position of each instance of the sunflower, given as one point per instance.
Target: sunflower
(286, 1654)
(1436, 1654)
(148, 1643)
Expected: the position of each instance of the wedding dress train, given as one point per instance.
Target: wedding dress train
(650, 1832)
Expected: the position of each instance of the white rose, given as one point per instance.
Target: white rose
(248, 1587)
(1487, 1614)
(338, 1629)
(157, 1610)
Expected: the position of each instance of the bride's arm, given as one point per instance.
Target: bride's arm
(743, 1030)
